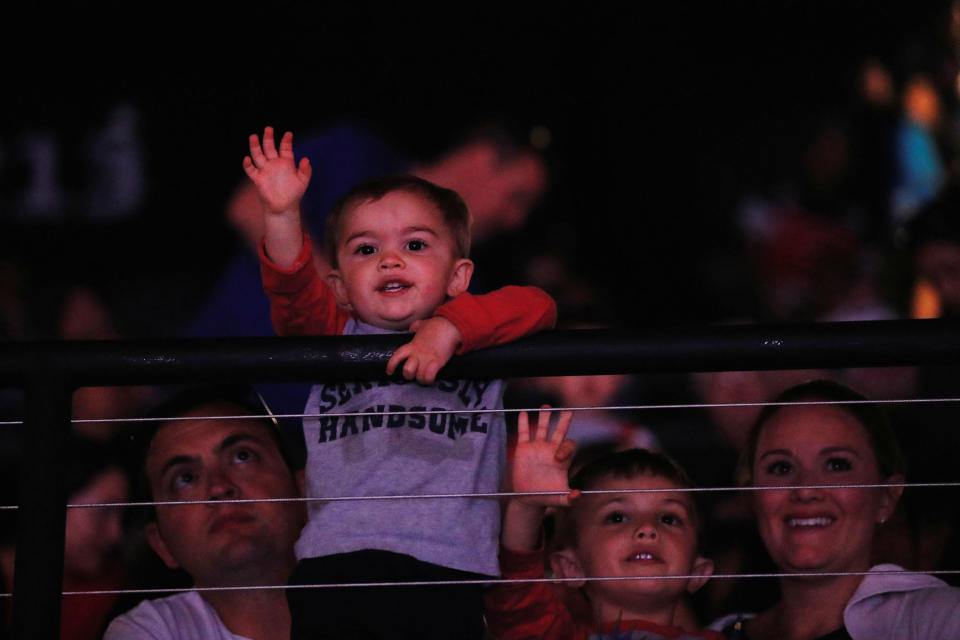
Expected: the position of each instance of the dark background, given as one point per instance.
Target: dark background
(662, 117)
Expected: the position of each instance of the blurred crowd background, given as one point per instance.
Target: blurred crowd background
(714, 163)
(686, 146)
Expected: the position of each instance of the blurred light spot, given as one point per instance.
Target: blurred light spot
(540, 137)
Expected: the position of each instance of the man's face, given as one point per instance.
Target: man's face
(223, 459)
(397, 261)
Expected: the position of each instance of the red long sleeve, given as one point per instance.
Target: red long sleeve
(528, 610)
(500, 316)
(301, 303)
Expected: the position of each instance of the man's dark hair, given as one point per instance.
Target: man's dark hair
(242, 397)
(454, 210)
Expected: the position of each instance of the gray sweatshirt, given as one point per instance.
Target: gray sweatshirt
(424, 453)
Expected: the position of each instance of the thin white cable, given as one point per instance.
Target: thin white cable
(496, 581)
(499, 495)
(508, 494)
(637, 407)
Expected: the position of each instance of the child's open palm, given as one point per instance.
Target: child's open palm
(280, 182)
(541, 461)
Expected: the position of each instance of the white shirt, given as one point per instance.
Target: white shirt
(894, 606)
(184, 616)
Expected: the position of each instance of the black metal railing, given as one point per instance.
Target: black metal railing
(49, 372)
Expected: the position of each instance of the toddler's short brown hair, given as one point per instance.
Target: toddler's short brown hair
(447, 201)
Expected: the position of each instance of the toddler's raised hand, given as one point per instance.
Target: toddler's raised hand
(280, 183)
(541, 461)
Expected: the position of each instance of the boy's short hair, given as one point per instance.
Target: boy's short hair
(455, 213)
(625, 464)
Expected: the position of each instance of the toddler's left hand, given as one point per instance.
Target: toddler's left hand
(279, 180)
(434, 342)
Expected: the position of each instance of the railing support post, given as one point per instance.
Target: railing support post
(41, 517)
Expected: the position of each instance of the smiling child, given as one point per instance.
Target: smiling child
(399, 250)
(651, 535)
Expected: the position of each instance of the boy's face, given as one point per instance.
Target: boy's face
(636, 534)
(397, 261)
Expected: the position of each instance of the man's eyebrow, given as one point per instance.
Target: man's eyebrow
(234, 438)
(173, 462)
(226, 443)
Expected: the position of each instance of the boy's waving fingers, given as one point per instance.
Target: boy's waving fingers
(256, 153)
(543, 422)
(304, 169)
(248, 167)
(563, 425)
(286, 145)
(269, 147)
(523, 427)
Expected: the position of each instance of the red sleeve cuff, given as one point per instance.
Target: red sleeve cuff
(521, 564)
(498, 317)
(289, 280)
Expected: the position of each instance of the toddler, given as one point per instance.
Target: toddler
(399, 250)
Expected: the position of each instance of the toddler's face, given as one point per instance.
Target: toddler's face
(397, 261)
(636, 534)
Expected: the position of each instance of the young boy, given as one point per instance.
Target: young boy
(608, 535)
(398, 247)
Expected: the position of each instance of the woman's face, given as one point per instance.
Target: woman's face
(94, 534)
(808, 529)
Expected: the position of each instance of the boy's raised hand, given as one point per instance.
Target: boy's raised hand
(435, 340)
(541, 462)
(280, 183)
